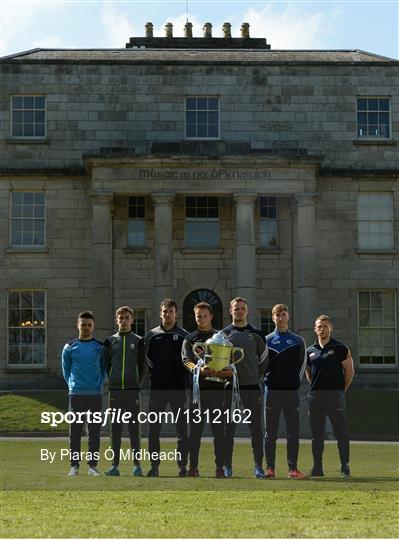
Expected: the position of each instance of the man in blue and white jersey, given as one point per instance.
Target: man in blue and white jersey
(287, 362)
(84, 373)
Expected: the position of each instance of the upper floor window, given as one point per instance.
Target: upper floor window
(373, 117)
(26, 327)
(202, 222)
(375, 221)
(136, 222)
(202, 117)
(27, 218)
(28, 116)
(268, 222)
(377, 327)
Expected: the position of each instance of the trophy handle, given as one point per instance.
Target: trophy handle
(240, 351)
(199, 345)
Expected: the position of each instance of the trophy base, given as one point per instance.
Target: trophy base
(215, 379)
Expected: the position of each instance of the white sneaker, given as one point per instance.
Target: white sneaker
(93, 471)
(74, 471)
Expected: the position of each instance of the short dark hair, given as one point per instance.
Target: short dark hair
(323, 318)
(168, 303)
(238, 299)
(204, 305)
(279, 307)
(86, 315)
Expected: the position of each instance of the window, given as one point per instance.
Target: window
(202, 117)
(139, 324)
(26, 328)
(267, 325)
(136, 222)
(27, 218)
(28, 116)
(202, 222)
(377, 324)
(373, 117)
(375, 221)
(268, 222)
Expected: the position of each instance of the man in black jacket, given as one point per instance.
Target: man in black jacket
(124, 360)
(168, 383)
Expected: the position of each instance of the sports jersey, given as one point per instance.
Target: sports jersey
(254, 364)
(124, 360)
(189, 361)
(325, 364)
(82, 366)
(163, 355)
(287, 360)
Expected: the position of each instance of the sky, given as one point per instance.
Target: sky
(369, 25)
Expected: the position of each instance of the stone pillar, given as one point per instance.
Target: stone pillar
(163, 249)
(102, 263)
(306, 308)
(245, 250)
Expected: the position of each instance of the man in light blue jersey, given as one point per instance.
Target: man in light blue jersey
(84, 373)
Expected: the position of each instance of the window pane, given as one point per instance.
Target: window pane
(28, 102)
(13, 300)
(38, 299)
(17, 102)
(26, 299)
(136, 232)
(384, 104)
(40, 102)
(202, 104)
(202, 234)
(362, 104)
(191, 103)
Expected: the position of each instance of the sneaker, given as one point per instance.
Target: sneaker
(137, 471)
(228, 471)
(93, 471)
(153, 472)
(260, 473)
(317, 471)
(193, 472)
(345, 471)
(74, 471)
(294, 473)
(182, 472)
(220, 473)
(270, 474)
(113, 471)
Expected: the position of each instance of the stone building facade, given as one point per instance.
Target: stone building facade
(197, 168)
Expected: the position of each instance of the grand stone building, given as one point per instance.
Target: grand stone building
(197, 168)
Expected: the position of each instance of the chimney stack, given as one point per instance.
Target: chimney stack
(169, 30)
(245, 30)
(149, 30)
(207, 30)
(188, 30)
(226, 30)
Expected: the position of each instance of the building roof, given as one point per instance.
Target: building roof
(197, 56)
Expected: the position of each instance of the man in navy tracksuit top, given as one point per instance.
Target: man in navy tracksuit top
(84, 373)
(124, 360)
(168, 382)
(283, 376)
(250, 372)
(330, 372)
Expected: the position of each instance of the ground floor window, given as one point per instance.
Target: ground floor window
(140, 323)
(202, 295)
(266, 323)
(377, 327)
(26, 327)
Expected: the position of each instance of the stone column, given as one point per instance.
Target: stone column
(102, 263)
(245, 250)
(163, 249)
(306, 308)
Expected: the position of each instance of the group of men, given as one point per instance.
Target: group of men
(269, 376)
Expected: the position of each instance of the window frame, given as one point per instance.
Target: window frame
(21, 366)
(391, 221)
(395, 328)
(201, 220)
(201, 138)
(374, 137)
(23, 247)
(263, 246)
(144, 220)
(28, 137)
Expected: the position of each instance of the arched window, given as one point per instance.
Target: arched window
(202, 295)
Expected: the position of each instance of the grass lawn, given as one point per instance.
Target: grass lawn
(38, 500)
